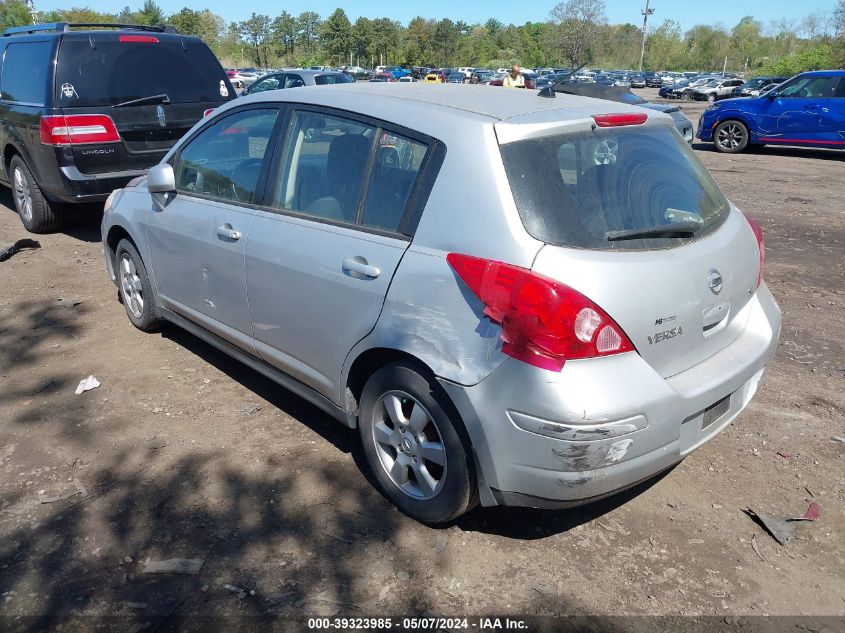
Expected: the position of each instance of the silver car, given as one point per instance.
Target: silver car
(583, 320)
(297, 78)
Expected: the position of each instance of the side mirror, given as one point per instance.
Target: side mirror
(161, 179)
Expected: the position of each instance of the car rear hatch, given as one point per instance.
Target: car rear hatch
(153, 87)
(634, 222)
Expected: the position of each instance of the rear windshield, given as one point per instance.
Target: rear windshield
(111, 72)
(581, 189)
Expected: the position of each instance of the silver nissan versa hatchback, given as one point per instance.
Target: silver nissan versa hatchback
(581, 320)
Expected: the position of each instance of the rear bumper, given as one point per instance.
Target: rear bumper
(74, 186)
(546, 439)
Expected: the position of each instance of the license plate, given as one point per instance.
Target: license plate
(716, 411)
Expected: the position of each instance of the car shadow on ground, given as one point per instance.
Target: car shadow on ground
(517, 523)
(777, 150)
(81, 221)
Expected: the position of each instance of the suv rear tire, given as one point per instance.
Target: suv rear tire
(38, 214)
(416, 445)
(136, 292)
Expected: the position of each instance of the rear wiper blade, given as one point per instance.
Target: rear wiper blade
(162, 98)
(677, 229)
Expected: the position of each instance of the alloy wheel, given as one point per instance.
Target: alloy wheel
(730, 136)
(409, 445)
(23, 195)
(130, 285)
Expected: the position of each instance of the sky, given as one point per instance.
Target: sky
(687, 12)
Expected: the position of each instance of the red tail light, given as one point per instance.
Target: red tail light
(618, 120)
(207, 111)
(145, 39)
(544, 322)
(758, 233)
(78, 129)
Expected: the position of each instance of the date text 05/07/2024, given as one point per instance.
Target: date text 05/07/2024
(417, 624)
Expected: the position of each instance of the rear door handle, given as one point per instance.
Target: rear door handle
(811, 106)
(228, 233)
(359, 265)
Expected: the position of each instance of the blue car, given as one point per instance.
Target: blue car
(397, 71)
(808, 111)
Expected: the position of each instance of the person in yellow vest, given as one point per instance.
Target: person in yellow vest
(515, 79)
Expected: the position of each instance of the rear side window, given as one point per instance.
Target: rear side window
(582, 190)
(111, 71)
(397, 162)
(25, 69)
(323, 80)
(348, 171)
(224, 160)
(325, 166)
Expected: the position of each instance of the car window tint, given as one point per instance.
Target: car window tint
(268, 83)
(224, 160)
(293, 81)
(324, 167)
(322, 80)
(395, 168)
(840, 90)
(810, 87)
(25, 69)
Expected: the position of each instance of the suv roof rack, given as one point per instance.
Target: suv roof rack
(65, 26)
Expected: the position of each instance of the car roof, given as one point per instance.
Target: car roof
(825, 73)
(452, 100)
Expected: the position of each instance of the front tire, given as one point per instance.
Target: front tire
(412, 438)
(37, 213)
(730, 137)
(136, 291)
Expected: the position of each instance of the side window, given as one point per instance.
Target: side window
(25, 72)
(224, 160)
(810, 87)
(293, 81)
(840, 90)
(395, 169)
(268, 83)
(324, 167)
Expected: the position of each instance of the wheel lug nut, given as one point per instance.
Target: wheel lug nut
(401, 429)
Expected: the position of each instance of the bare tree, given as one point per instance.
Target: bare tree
(578, 23)
(839, 17)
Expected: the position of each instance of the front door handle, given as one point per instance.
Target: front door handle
(226, 232)
(359, 266)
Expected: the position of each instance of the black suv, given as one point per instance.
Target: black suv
(82, 112)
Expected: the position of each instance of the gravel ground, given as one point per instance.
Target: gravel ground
(183, 453)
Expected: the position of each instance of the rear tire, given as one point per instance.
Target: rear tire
(136, 292)
(730, 137)
(38, 214)
(416, 445)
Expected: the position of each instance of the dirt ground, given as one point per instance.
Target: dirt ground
(183, 453)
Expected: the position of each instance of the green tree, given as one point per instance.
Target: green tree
(362, 39)
(256, 33)
(150, 14)
(745, 40)
(336, 35)
(308, 28)
(204, 24)
(78, 15)
(664, 47)
(283, 33)
(14, 13)
(578, 23)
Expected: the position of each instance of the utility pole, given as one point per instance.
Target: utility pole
(646, 12)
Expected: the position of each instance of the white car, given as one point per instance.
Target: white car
(466, 71)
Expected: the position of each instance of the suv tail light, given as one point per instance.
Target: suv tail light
(544, 322)
(758, 233)
(78, 129)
